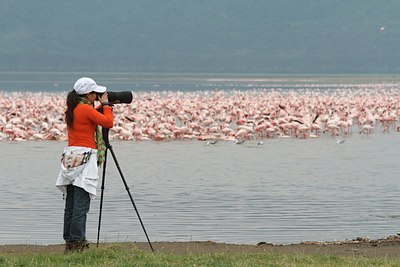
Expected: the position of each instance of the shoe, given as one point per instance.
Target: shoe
(76, 246)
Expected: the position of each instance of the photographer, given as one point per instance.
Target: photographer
(81, 158)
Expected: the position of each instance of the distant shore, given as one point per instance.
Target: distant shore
(387, 247)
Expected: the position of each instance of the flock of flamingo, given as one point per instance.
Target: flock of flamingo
(305, 112)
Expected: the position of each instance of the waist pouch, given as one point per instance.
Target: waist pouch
(74, 160)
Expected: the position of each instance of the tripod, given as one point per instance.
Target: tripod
(109, 147)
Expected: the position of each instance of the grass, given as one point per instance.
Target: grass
(116, 255)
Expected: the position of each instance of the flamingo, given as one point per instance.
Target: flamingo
(218, 115)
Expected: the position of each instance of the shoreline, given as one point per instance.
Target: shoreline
(386, 247)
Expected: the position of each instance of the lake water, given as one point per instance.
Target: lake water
(285, 191)
(63, 81)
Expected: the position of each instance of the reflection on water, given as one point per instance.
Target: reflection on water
(285, 191)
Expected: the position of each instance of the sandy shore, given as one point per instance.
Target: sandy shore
(388, 247)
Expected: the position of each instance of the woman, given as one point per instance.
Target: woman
(81, 158)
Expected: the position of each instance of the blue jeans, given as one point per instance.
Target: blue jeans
(76, 208)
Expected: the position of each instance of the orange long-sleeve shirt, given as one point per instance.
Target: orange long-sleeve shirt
(86, 119)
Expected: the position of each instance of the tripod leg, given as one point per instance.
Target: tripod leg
(102, 193)
(130, 196)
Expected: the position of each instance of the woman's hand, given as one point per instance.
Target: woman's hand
(104, 97)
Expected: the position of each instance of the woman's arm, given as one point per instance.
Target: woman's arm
(105, 119)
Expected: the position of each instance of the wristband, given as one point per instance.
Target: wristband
(107, 104)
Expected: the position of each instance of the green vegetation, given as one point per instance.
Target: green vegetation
(118, 256)
(226, 36)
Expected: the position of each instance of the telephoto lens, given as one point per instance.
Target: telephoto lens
(124, 97)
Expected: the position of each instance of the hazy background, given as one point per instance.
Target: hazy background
(207, 36)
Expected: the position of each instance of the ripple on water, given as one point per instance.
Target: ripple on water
(282, 192)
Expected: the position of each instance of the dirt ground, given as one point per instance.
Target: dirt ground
(388, 247)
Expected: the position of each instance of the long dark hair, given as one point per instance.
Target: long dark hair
(73, 100)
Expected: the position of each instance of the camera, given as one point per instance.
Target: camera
(124, 97)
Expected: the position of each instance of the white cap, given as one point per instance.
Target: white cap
(86, 85)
